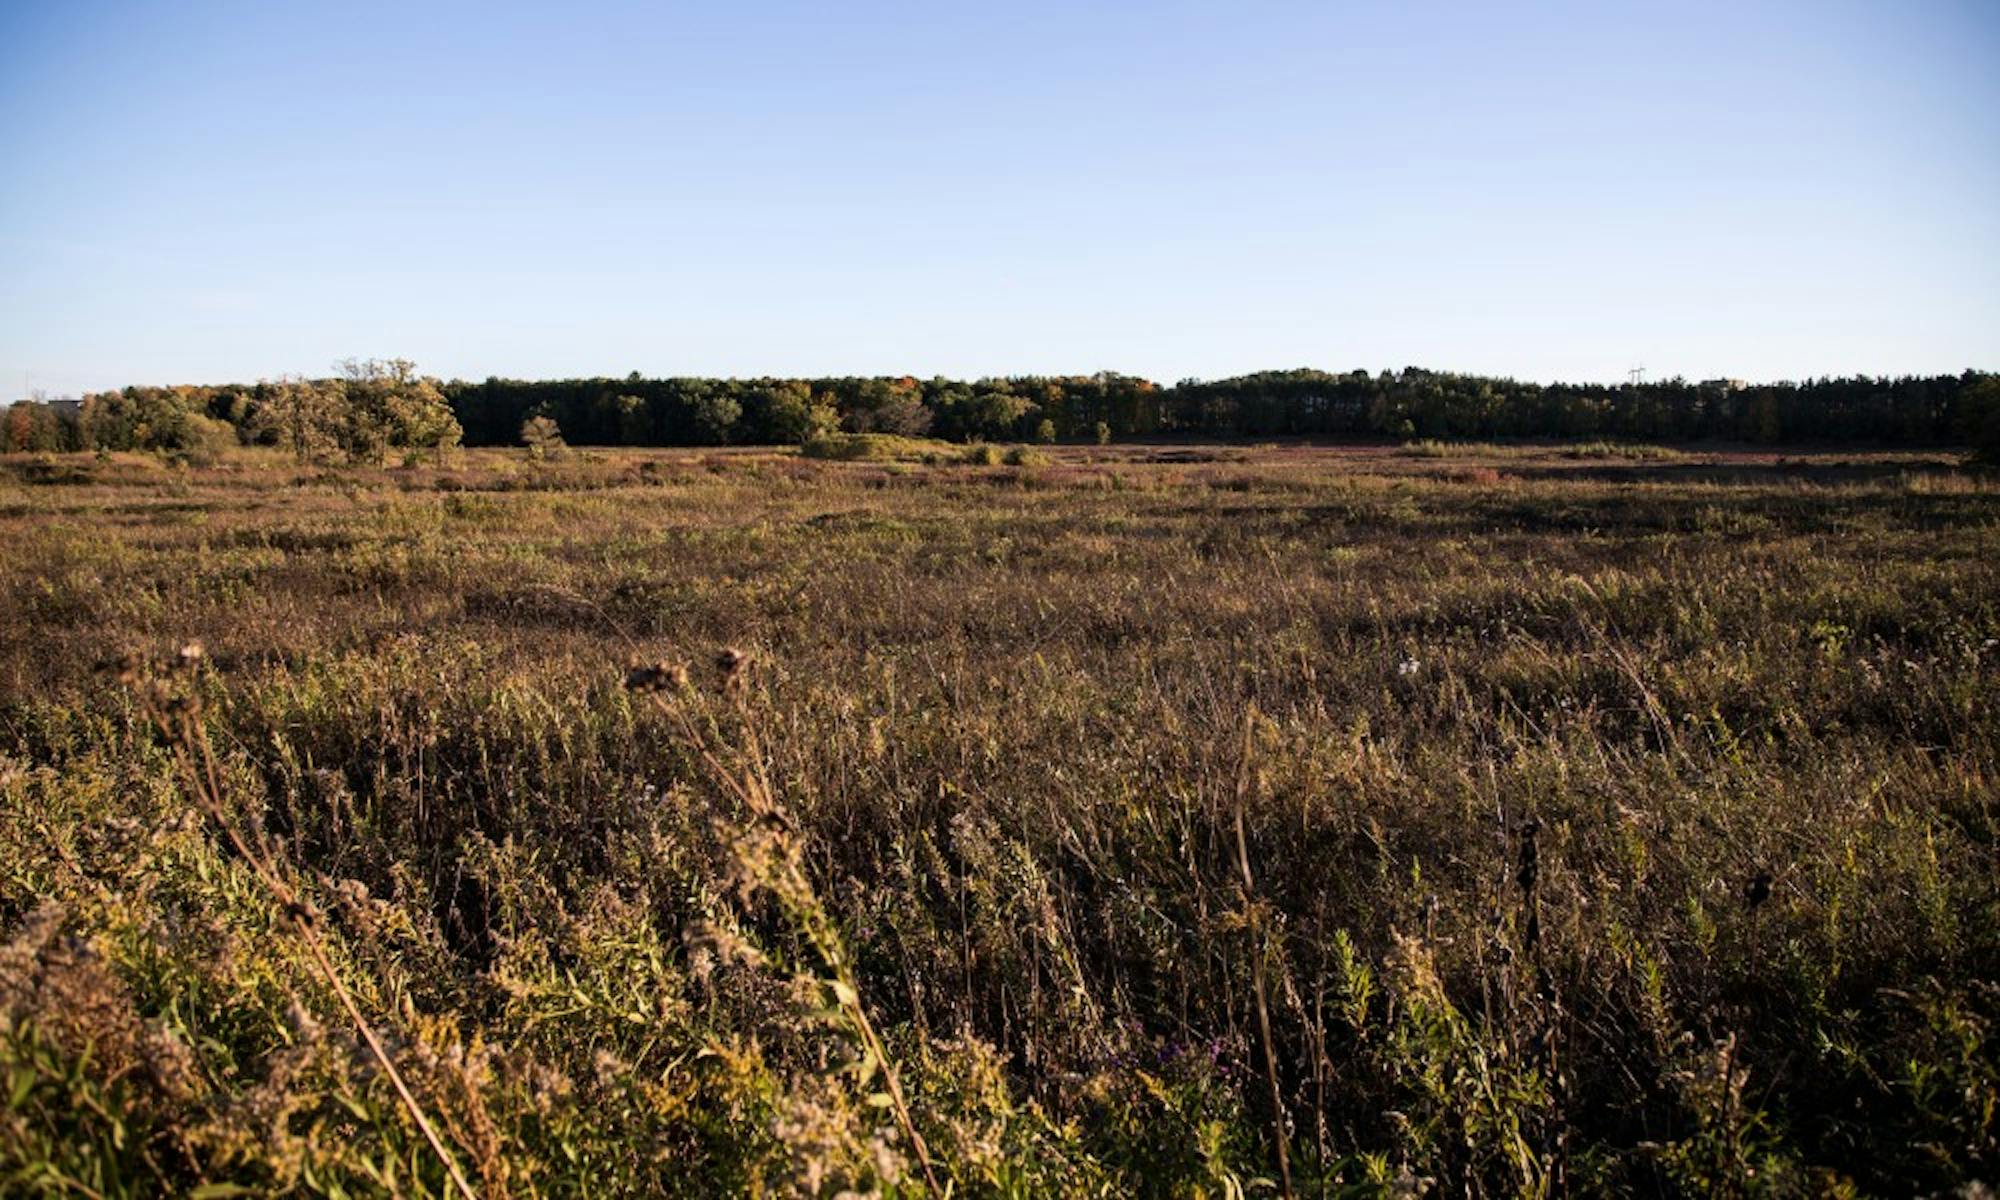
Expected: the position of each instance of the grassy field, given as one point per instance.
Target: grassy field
(1209, 821)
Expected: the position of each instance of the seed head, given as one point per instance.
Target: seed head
(657, 677)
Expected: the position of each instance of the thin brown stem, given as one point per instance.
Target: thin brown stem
(1254, 913)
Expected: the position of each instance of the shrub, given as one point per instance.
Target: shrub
(201, 441)
(541, 437)
(873, 447)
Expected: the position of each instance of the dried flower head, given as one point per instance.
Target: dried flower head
(657, 677)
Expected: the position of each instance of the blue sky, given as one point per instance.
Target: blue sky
(201, 192)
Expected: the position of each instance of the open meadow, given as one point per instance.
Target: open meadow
(1142, 819)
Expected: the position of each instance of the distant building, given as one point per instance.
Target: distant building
(62, 406)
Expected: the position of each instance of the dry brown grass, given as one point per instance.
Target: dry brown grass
(1100, 825)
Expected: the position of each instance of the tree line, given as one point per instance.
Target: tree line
(1913, 410)
(371, 409)
(367, 410)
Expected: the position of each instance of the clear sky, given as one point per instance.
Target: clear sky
(205, 192)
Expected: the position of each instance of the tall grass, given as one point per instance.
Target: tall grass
(1303, 823)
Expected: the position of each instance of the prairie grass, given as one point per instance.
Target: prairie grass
(1114, 827)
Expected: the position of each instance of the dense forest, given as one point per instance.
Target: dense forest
(371, 408)
(1302, 403)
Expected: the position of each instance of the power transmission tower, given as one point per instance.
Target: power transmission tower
(1636, 376)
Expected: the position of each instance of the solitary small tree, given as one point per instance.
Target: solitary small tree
(540, 435)
(1103, 433)
(1045, 433)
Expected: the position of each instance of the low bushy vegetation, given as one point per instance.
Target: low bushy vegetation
(1208, 825)
(1632, 451)
(876, 447)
